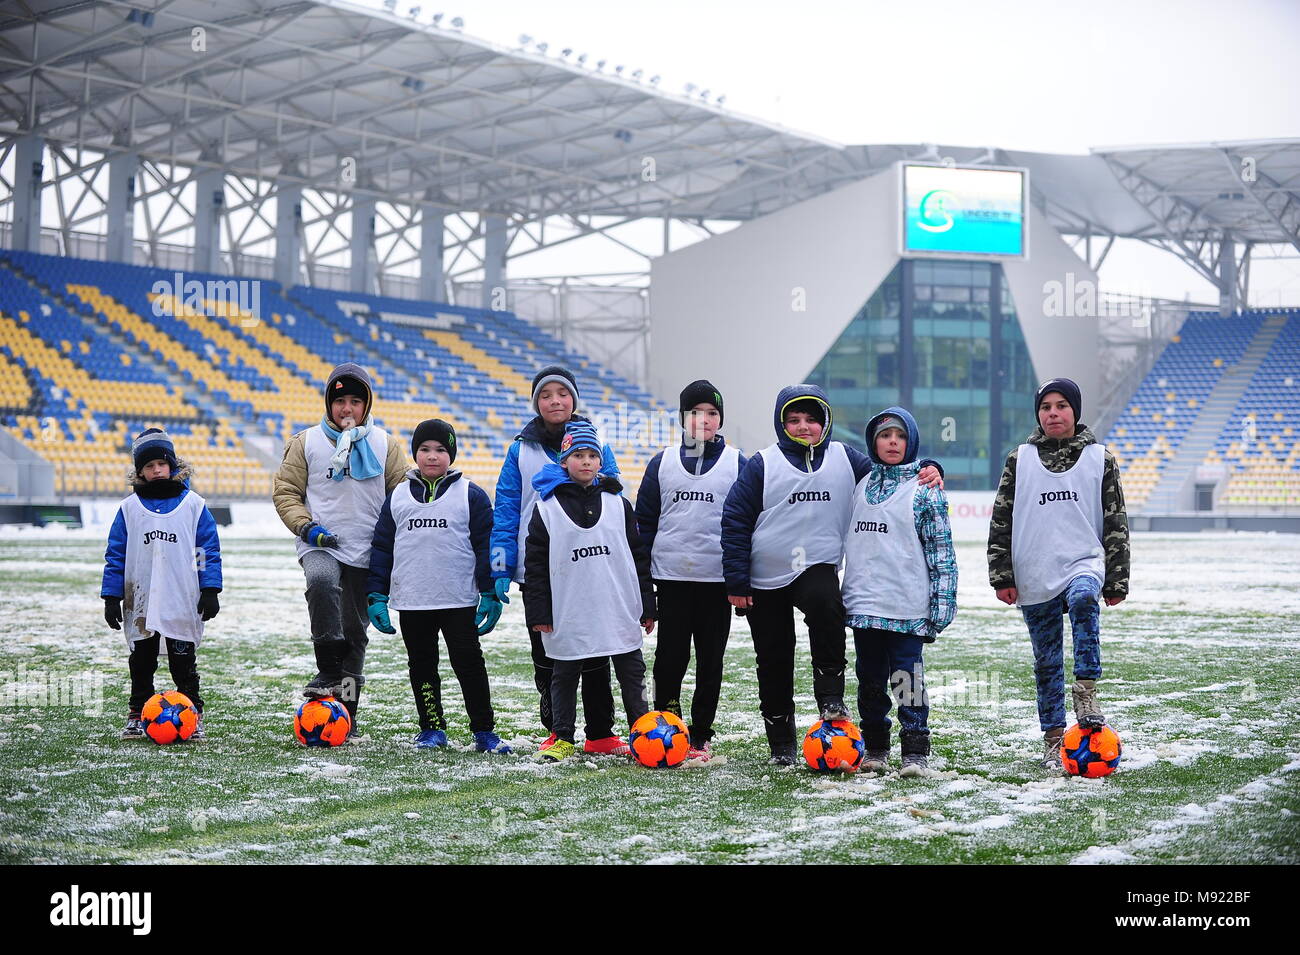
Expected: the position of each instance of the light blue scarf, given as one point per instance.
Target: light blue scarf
(352, 453)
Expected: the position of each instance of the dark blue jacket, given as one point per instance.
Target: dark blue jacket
(583, 505)
(745, 502)
(480, 530)
(649, 498)
(161, 497)
(505, 529)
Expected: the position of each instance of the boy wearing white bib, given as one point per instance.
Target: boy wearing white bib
(162, 574)
(782, 542)
(1058, 540)
(587, 586)
(429, 562)
(554, 401)
(900, 589)
(679, 516)
(328, 492)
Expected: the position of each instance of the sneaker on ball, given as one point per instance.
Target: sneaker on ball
(609, 746)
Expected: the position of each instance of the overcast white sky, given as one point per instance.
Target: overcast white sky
(1046, 76)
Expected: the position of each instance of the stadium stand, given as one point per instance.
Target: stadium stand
(92, 352)
(1222, 394)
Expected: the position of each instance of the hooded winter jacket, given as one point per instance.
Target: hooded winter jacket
(745, 502)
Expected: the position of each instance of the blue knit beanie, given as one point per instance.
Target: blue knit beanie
(578, 434)
(152, 444)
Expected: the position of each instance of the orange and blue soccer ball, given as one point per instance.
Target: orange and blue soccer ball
(1090, 752)
(833, 746)
(169, 717)
(659, 739)
(323, 722)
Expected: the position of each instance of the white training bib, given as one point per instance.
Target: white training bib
(532, 458)
(348, 509)
(803, 517)
(688, 543)
(1056, 524)
(162, 578)
(595, 593)
(885, 572)
(433, 559)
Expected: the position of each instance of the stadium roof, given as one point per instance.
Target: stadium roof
(297, 90)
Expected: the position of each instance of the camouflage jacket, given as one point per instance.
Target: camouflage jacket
(1058, 456)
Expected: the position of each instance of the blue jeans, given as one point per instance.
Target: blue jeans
(890, 663)
(1080, 601)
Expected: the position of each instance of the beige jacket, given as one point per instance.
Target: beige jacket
(290, 489)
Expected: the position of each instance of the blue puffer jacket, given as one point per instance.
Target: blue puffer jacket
(162, 497)
(505, 516)
(745, 502)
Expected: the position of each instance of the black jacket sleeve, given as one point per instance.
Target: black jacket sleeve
(480, 536)
(537, 572)
(648, 503)
(381, 550)
(739, 515)
(641, 556)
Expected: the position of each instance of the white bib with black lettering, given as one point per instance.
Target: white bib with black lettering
(433, 559)
(885, 572)
(688, 543)
(595, 593)
(348, 509)
(162, 575)
(1056, 524)
(803, 517)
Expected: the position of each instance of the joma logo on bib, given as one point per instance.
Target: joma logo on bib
(873, 526)
(1057, 496)
(600, 550)
(163, 536)
(415, 522)
(799, 497)
(692, 496)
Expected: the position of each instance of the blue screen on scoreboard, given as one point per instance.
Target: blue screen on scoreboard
(950, 210)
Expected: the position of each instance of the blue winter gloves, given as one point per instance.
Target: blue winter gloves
(489, 612)
(113, 612)
(317, 536)
(502, 585)
(377, 609)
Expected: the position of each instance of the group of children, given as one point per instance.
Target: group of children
(712, 533)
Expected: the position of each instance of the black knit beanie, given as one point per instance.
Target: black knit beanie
(699, 392)
(1067, 389)
(435, 429)
(554, 374)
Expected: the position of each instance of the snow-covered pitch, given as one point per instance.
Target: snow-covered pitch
(1201, 672)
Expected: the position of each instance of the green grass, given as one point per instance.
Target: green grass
(1200, 681)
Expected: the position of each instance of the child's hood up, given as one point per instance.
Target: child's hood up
(913, 435)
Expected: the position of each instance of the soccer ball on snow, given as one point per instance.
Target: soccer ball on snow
(323, 722)
(1090, 752)
(659, 739)
(833, 746)
(169, 717)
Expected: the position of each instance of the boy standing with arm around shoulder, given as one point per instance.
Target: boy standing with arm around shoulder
(587, 587)
(679, 515)
(782, 542)
(429, 562)
(900, 589)
(162, 574)
(1058, 540)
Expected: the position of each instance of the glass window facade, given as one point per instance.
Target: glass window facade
(942, 339)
